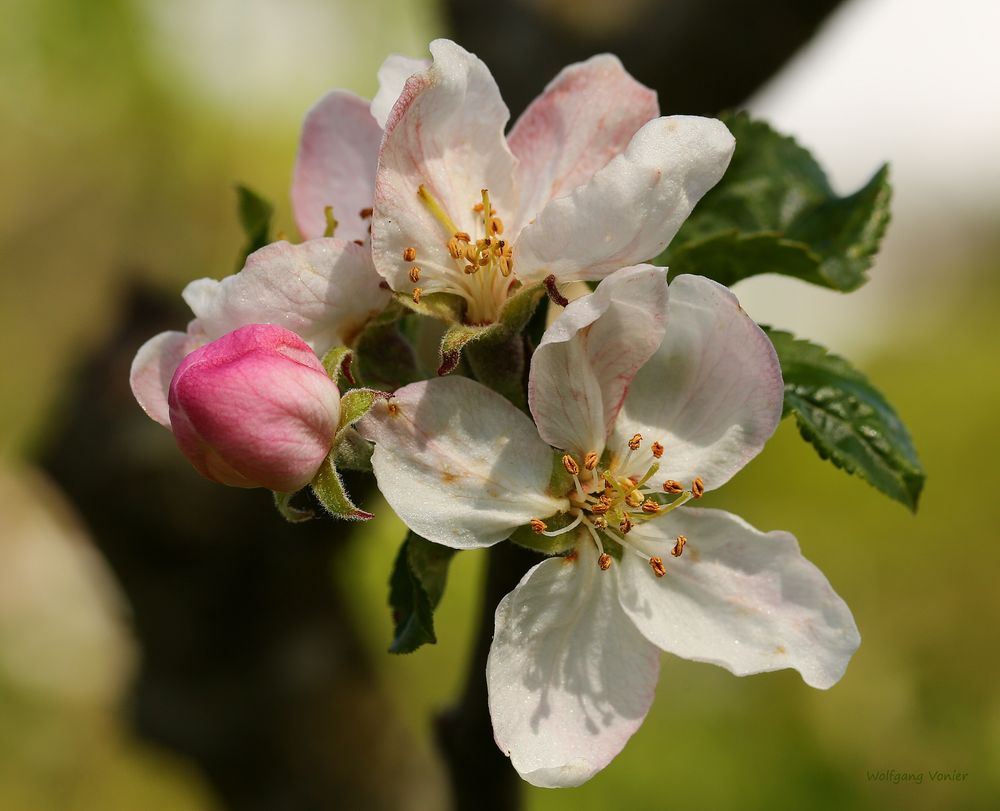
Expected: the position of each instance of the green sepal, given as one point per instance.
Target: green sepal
(352, 451)
(337, 363)
(329, 490)
(293, 515)
(415, 589)
(775, 212)
(847, 420)
(255, 215)
(353, 406)
(514, 316)
(446, 307)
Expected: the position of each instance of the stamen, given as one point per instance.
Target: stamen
(463, 236)
(679, 546)
(635, 442)
(633, 498)
(454, 248)
(648, 474)
(657, 450)
(604, 561)
(435, 208)
(470, 269)
(570, 464)
(571, 526)
(625, 525)
(358, 241)
(697, 487)
(414, 274)
(537, 525)
(365, 213)
(600, 508)
(671, 486)
(417, 293)
(409, 254)
(656, 563)
(590, 460)
(495, 225)
(601, 522)
(650, 506)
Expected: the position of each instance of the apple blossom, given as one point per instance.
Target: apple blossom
(589, 180)
(651, 396)
(255, 408)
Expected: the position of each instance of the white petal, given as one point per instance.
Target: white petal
(445, 133)
(570, 678)
(458, 463)
(630, 209)
(712, 394)
(392, 78)
(152, 369)
(589, 354)
(586, 116)
(335, 166)
(737, 597)
(324, 290)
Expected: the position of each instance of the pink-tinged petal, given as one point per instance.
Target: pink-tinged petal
(589, 354)
(586, 116)
(392, 78)
(338, 153)
(445, 133)
(458, 463)
(737, 597)
(153, 367)
(255, 408)
(712, 393)
(324, 290)
(630, 209)
(570, 678)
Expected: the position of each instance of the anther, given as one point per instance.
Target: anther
(657, 450)
(679, 546)
(393, 409)
(634, 498)
(656, 563)
(590, 460)
(625, 525)
(462, 236)
(697, 487)
(365, 213)
(650, 506)
(570, 464)
(454, 248)
(635, 442)
(359, 242)
(471, 254)
(600, 508)
(414, 274)
(496, 225)
(417, 293)
(671, 486)
(409, 254)
(537, 525)
(604, 561)
(478, 208)
(470, 269)
(600, 522)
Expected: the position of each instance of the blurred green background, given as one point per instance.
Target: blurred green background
(123, 124)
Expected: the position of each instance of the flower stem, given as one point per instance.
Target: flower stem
(481, 776)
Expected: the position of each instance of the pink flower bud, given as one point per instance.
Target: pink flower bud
(254, 408)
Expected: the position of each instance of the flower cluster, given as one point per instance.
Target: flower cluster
(641, 396)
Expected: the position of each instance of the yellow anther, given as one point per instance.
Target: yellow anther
(600, 522)
(633, 498)
(656, 564)
(505, 267)
(470, 269)
(409, 254)
(454, 248)
(570, 464)
(679, 546)
(417, 293)
(657, 450)
(604, 561)
(365, 213)
(414, 274)
(600, 508)
(393, 409)
(671, 486)
(625, 525)
(635, 442)
(471, 254)
(463, 236)
(650, 506)
(478, 208)
(484, 259)
(495, 225)
(590, 460)
(537, 525)
(697, 487)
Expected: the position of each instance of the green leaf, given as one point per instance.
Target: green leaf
(255, 215)
(847, 420)
(415, 589)
(293, 515)
(329, 490)
(774, 212)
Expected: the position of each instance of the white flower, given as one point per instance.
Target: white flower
(653, 396)
(589, 180)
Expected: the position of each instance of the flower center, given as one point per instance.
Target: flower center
(481, 269)
(609, 503)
